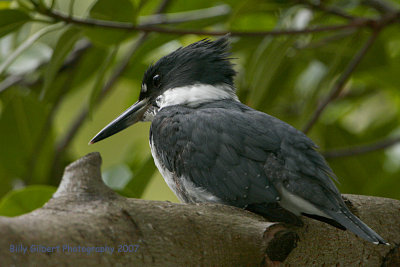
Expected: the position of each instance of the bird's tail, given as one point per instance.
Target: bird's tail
(355, 225)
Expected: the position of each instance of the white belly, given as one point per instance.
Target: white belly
(188, 192)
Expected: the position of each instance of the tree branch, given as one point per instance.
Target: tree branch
(150, 20)
(10, 81)
(144, 21)
(85, 214)
(341, 82)
(329, 39)
(89, 22)
(358, 150)
(331, 10)
(182, 17)
(384, 7)
(162, 6)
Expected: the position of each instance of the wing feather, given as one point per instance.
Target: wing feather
(238, 154)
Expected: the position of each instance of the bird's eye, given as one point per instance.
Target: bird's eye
(156, 80)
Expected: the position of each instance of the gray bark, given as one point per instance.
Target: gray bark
(84, 212)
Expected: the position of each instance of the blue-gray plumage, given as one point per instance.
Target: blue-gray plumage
(209, 147)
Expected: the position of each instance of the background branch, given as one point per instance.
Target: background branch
(358, 150)
(382, 6)
(182, 17)
(150, 20)
(341, 82)
(318, 5)
(329, 39)
(89, 22)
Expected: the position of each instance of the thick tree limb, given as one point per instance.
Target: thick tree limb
(84, 212)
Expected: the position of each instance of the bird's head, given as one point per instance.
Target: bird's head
(198, 73)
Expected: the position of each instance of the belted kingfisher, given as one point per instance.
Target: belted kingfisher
(209, 147)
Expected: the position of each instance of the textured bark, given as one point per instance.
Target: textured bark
(84, 212)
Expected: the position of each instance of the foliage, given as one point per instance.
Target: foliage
(69, 67)
(20, 201)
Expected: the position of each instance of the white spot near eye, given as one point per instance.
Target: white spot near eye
(144, 88)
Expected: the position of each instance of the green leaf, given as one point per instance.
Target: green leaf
(5, 4)
(11, 19)
(26, 44)
(101, 77)
(24, 200)
(264, 66)
(63, 47)
(22, 118)
(30, 59)
(141, 179)
(88, 65)
(116, 11)
(117, 177)
(120, 10)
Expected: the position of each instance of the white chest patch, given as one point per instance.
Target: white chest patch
(187, 192)
(194, 95)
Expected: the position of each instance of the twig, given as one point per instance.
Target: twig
(10, 81)
(53, 2)
(182, 17)
(89, 22)
(162, 6)
(331, 10)
(164, 19)
(150, 20)
(361, 149)
(331, 38)
(382, 6)
(340, 83)
(71, 8)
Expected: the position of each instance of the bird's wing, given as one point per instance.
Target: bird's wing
(241, 155)
(220, 151)
(297, 168)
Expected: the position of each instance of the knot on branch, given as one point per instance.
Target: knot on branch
(82, 181)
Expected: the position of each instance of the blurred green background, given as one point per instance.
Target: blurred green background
(63, 79)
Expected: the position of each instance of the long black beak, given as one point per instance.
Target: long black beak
(130, 116)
